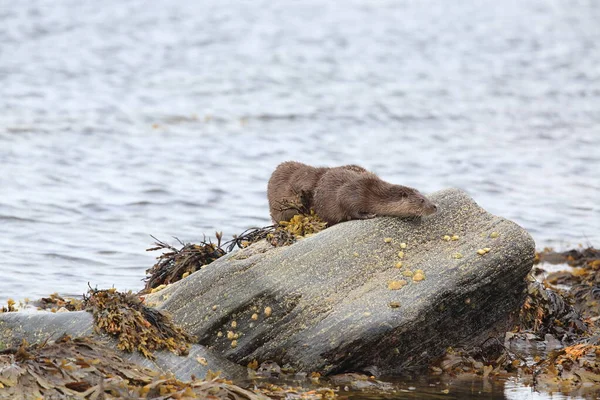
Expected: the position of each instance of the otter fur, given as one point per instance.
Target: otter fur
(340, 194)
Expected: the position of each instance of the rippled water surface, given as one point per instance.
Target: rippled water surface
(123, 119)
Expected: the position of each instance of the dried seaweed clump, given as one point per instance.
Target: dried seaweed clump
(136, 326)
(175, 263)
(546, 311)
(55, 302)
(85, 368)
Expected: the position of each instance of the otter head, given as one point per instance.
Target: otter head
(402, 201)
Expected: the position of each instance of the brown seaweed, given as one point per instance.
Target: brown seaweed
(86, 368)
(136, 326)
(55, 302)
(283, 234)
(175, 263)
(547, 311)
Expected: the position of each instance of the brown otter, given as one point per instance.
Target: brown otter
(343, 194)
(290, 189)
(339, 194)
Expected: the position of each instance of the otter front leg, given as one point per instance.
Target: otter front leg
(363, 215)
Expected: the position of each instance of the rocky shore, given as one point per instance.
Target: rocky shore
(451, 293)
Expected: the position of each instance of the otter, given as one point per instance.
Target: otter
(339, 194)
(292, 185)
(344, 194)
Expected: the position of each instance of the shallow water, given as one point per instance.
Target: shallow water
(120, 120)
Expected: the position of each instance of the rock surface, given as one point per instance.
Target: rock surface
(332, 307)
(38, 327)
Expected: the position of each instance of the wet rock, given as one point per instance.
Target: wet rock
(37, 327)
(329, 299)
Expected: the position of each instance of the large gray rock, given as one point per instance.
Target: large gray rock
(329, 294)
(38, 327)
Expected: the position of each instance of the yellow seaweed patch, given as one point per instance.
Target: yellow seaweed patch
(304, 224)
(418, 276)
(395, 285)
(158, 288)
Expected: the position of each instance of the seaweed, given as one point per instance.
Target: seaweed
(55, 302)
(583, 279)
(249, 236)
(283, 234)
(547, 311)
(136, 326)
(176, 264)
(304, 224)
(589, 257)
(10, 306)
(86, 368)
(570, 367)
